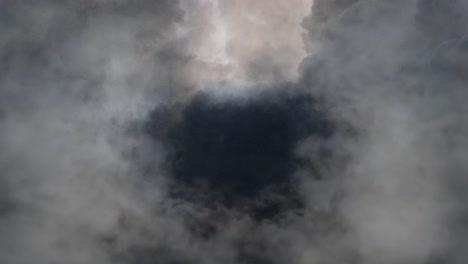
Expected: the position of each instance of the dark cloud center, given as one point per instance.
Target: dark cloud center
(242, 150)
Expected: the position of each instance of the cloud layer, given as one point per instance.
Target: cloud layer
(232, 131)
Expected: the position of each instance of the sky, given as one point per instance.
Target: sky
(233, 131)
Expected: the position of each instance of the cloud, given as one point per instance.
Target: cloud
(187, 132)
(384, 66)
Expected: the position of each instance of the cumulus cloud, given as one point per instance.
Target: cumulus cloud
(385, 67)
(326, 131)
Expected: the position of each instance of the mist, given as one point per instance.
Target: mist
(232, 131)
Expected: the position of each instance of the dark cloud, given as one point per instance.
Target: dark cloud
(121, 144)
(242, 149)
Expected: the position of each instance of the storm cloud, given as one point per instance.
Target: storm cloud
(232, 131)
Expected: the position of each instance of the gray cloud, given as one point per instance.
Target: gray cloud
(83, 180)
(385, 66)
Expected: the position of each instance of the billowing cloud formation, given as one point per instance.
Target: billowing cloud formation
(185, 132)
(395, 70)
